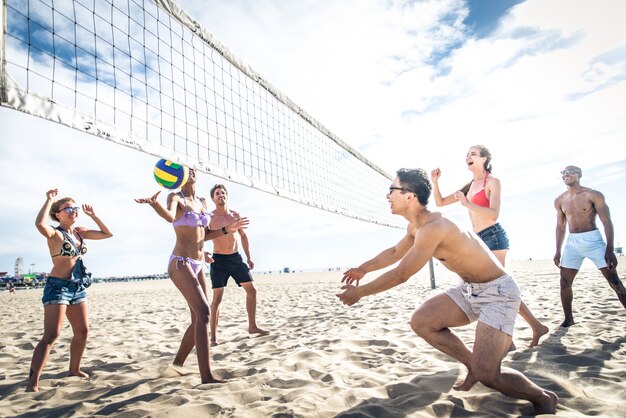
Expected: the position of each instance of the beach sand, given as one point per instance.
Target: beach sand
(322, 359)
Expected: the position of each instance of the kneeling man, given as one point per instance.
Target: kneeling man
(488, 294)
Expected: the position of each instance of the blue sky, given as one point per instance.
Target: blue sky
(408, 84)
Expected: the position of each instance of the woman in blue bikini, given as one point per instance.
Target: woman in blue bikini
(189, 216)
(64, 293)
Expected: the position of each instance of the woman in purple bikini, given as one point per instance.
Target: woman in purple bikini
(189, 216)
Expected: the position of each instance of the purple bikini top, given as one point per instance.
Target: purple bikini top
(191, 218)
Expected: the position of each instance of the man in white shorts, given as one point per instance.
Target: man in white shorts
(577, 208)
(488, 294)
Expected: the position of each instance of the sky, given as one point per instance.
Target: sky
(407, 84)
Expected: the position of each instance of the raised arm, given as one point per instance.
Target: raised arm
(439, 199)
(168, 213)
(382, 260)
(104, 231)
(40, 222)
(561, 222)
(605, 216)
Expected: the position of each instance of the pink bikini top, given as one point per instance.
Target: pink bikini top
(480, 198)
(192, 218)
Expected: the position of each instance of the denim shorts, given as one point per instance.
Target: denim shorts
(63, 292)
(495, 237)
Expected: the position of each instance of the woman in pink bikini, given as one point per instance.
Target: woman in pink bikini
(481, 196)
(189, 216)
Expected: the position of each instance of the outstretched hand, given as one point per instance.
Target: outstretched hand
(353, 275)
(435, 174)
(88, 210)
(237, 224)
(149, 200)
(349, 296)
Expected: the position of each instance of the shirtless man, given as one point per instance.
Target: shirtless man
(578, 207)
(488, 294)
(228, 263)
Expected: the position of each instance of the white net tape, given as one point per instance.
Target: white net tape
(142, 73)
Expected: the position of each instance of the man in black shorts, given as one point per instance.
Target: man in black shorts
(229, 263)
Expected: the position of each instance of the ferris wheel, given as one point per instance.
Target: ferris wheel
(19, 266)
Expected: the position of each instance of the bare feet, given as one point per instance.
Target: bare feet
(549, 405)
(178, 369)
(537, 334)
(567, 323)
(257, 330)
(212, 380)
(79, 373)
(468, 383)
(32, 388)
(214, 343)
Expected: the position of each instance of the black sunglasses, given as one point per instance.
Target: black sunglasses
(402, 189)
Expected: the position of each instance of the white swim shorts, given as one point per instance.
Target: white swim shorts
(588, 244)
(494, 303)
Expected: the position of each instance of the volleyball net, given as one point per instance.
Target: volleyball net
(144, 74)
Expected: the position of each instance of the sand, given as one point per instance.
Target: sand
(322, 359)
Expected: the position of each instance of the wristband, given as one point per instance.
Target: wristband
(224, 231)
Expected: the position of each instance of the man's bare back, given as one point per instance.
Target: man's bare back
(459, 251)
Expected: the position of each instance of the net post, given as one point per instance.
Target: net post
(3, 22)
(431, 267)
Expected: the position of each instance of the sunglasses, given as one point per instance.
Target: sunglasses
(568, 171)
(69, 210)
(402, 189)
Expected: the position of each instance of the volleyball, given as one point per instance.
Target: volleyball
(170, 175)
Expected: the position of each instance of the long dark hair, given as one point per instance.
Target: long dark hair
(484, 152)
